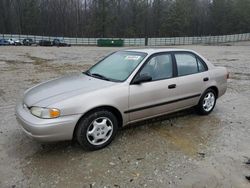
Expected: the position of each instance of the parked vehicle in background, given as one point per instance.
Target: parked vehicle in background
(45, 43)
(28, 42)
(60, 42)
(4, 42)
(123, 88)
(15, 42)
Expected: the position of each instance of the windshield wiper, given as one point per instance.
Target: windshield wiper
(99, 76)
(96, 75)
(88, 73)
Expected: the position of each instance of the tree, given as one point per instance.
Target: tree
(124, 18)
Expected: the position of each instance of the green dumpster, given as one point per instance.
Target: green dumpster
(110, 42)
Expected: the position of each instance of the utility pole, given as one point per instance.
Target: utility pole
(77, 18)
(103, 18)
(146, 23)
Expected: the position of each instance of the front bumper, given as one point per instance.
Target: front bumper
(46, 130)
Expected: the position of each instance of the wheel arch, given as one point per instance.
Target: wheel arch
(215, 89)
(112, 109)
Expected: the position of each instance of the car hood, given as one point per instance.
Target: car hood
(56, 90)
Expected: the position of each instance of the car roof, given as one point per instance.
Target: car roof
(157, 50)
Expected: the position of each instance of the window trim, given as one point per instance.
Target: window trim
(195, 56)
(149, 58)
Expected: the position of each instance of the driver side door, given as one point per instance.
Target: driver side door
(152, 98)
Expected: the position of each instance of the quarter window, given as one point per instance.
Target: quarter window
(201, 66)
(159, 67)
(186, 64)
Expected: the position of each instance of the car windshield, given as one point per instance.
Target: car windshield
(117, 66)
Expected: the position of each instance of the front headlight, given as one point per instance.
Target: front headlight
(46, 113)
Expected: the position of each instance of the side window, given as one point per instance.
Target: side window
(201, 66)
(186, 64)
(159, 67)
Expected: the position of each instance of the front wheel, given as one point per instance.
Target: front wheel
(97, 129)
(207, 102)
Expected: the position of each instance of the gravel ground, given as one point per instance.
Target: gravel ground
(181, 150)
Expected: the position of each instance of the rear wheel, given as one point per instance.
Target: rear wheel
(207, 102)
(97, 129)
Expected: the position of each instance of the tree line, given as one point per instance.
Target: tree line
(124, 18)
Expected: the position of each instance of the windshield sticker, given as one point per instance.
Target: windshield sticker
(132, 57)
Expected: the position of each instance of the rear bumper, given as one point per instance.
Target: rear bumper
(46, 130)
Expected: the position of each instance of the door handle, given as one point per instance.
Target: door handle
(172, 86)
(205, 79)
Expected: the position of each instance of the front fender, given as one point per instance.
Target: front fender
(114, 96)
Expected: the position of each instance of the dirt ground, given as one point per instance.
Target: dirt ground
(182, 150)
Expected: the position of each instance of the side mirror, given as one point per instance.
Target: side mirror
(142, 78)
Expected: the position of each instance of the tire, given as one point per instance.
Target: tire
(97, 129)
(207, 102)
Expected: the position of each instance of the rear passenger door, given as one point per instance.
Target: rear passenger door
(192, 76)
